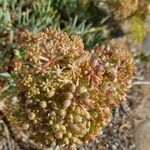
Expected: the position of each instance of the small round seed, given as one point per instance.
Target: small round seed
(56, 127)
(35, 121)
(58, 135)
(31, 116)
(53, 114)
(85, 95)
(66, 140)
(74, 139)
(62, 113)
(43, 104)
(72, 88)
(70, 118)
(66, 103)
(68, 95)
(69, 134)
(50, 122)
(63, 129)
(25, 126)
(88, 101)
(50, 93)
(29, 101)
(80, 89)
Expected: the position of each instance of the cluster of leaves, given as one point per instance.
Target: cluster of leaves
(72, 16)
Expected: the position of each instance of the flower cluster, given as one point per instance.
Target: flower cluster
(126, 8)
(64, 93)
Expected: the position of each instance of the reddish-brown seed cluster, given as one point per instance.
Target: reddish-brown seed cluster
(64, 93)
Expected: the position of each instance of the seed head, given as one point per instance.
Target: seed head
(62, 113)
(68, 95)
(31, 116)
(25, 126)
(56, 127)
(72, 88)
(43, 104)
(69, 134)
(50, 93)
(66, 140)
(58, 135)
(86, 114)
(80, 89)
(66, 103)
(50, 122)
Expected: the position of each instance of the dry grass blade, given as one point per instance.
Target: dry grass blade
(141, 83)
(6, 133)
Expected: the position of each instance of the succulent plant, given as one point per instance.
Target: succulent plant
(64, 93)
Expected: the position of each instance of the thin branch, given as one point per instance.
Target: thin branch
(7, 134)
(92, 30)
(141, 83)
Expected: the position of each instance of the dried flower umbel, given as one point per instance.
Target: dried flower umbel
(65, 94)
